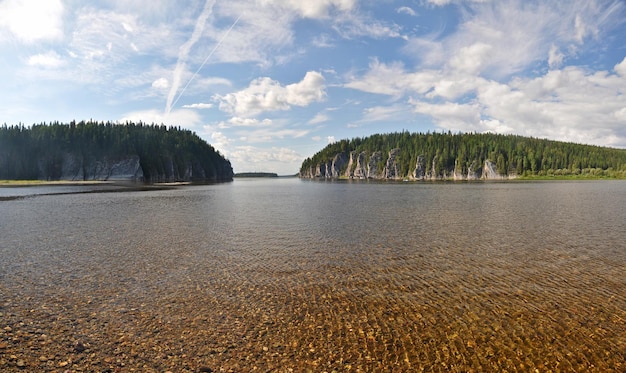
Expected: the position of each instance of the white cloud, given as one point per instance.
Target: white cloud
(568, 104)
(184, 52)
(161, 83)
(265, 94)
(184, 118)
(620, 68)
(323, 41)
(245, 122)
(392, 79)
(501, 38)
(471, 59)
(212, 81)
(49, 60)
(313, 8)
(451, 115)
(384, 113)
(582, 29)
(219, 140)
(268, 134)
(406, 10)
(555, 57)
(198, 106)
(319, 118)
(30, 21)
(331, 139)
(354, 25)
(281, 160)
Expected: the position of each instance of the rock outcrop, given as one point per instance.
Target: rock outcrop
(77, 168)
(73, 167)
(360, 165)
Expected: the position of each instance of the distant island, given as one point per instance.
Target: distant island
(462, 156)
(108, 151)
(255, 174)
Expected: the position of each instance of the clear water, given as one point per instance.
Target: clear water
(283, 274)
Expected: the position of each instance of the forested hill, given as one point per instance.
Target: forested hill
(105, 151)
(440, 156)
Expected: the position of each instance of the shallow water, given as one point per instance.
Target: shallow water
(285, 274)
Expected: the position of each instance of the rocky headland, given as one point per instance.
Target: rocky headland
(361, 165)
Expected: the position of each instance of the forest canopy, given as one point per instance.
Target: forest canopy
(512, 155)
(41, 151)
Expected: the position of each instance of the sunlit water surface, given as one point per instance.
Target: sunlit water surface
(290, 275)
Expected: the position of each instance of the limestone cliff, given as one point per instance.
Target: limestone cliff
(361, 165)
(75, 167)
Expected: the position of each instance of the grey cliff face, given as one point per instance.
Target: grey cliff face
(360, 165)
(74, 167)
(372, 166)
(391, 170)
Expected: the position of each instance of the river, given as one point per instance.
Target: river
(295, 275)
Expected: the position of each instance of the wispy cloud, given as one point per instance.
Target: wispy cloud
(184, 53)
(406, 10)
(319, 118)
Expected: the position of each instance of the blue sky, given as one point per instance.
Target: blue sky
(270, 82)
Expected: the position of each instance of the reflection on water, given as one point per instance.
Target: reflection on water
(345, 276)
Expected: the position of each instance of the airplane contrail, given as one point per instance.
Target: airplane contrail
(204, 62)
(184, 52)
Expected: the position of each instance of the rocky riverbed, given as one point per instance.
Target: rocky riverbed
(151, 282)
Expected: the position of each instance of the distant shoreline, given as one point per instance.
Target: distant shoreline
(255, 174)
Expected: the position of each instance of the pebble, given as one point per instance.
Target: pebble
(79, 347)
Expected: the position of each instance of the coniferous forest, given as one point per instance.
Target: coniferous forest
(512, 155)
(84, 150)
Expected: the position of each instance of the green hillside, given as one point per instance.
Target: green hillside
(512, 155)
(84, 150)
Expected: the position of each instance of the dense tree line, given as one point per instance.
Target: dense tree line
(512, 155)
(29, 152)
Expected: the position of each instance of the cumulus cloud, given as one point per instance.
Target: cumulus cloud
(30, 21)
(620, 68)
(265, 94)
(465, 81)
(161, 83)
(219, 140)
(569, 104)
